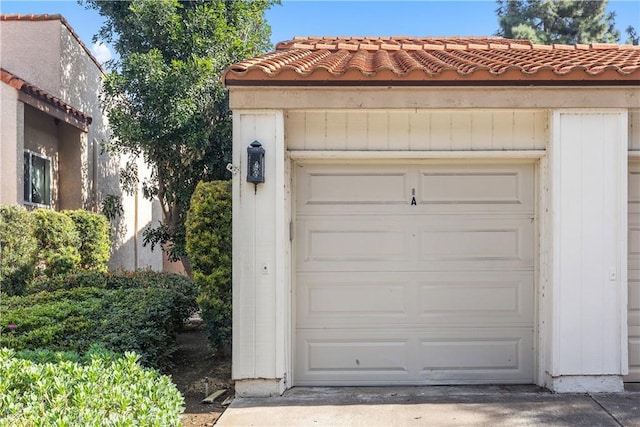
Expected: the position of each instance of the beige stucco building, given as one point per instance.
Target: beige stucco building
(437, 211)
(51, 128)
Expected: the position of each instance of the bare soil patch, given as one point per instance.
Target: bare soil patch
(194, 361)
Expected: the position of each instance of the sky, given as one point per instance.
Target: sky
(340, 18)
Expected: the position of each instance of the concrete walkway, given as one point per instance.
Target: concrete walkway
(435, 406)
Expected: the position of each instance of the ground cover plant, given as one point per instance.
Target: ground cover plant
(123, 311)
(100, 389)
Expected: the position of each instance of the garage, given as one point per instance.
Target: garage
(418, 211)
(414, 273)
(634, 273)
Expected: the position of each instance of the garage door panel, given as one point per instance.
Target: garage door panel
(450, 354)
(477, 185)
(413, 299)
(633, 297)
(344, 187)
(503, 242)
(427, 243)
(358, 357)
(479, 300)
(328, 243)
(436, 188)
(634, 188)
(634, 355)
(634, 325)
(634, 242)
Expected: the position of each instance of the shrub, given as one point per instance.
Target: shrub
(58, 242)
(208, 228)
(95, 242)
(101, 390)
(58, 321)
(183, 291)
(81, 279)
(126, 311)
(17, 249)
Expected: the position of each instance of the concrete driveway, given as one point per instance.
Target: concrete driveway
(435, 406)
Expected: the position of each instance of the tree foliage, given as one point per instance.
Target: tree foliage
(632, 36)
(557, 21)
(165, 98)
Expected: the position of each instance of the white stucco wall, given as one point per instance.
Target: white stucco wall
(47, 55)
(11, 137)
(31, 50)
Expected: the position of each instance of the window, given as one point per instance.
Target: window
(37, 179)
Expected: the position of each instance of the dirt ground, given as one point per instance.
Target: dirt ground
(193, 362)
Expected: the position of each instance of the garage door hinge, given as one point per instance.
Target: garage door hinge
(291, 231)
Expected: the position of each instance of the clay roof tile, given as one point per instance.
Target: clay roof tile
(435, 60)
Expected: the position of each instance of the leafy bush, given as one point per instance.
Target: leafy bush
(81, 279)
(62, 320)
(102, 390)
(17, 249)
(183, 291)
(95, 242)
(208, 228)
(126, 311)
(58, 242)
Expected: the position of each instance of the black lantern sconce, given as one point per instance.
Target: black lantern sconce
(255, 164)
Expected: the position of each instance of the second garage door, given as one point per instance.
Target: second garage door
(634, 273)
(414, 273)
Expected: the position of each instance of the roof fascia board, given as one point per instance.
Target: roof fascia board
(432, 97)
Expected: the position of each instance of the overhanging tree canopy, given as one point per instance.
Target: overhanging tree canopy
(557, 21)
(165, 98)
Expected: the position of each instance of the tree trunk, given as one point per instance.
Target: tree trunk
(186, 263)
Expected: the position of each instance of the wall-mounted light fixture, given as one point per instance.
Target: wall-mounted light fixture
(255, 164)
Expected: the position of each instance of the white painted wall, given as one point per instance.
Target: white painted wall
(588, 334)
(261, 258)
(415, 130)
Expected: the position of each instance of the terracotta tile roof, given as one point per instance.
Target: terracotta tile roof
(21, 85)
(437, 61)
(54, 17)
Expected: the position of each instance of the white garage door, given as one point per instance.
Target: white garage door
(634, 272)
(414, 274)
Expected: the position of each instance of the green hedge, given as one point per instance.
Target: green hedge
(95, 241)
(58, 243)
(126, 311)
(99, 390)
(17, 249)
(208, 228)
(45, 243)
